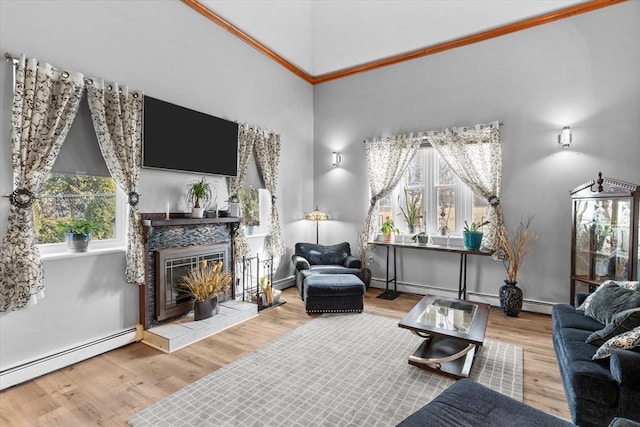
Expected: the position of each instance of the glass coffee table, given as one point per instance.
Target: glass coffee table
(453, 332)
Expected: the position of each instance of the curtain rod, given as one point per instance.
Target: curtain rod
(10, 57)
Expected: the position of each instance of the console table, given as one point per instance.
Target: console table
(462, 275)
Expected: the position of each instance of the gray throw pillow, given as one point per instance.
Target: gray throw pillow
(611, 299)
(621, 322)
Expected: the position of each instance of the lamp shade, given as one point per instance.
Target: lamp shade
(316, 216)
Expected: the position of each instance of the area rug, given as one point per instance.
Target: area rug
(336, 370)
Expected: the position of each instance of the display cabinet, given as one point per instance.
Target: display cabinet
(604, 237)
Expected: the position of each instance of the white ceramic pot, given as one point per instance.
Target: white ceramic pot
(197, 212)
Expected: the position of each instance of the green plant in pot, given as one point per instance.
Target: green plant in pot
(472, 235)
(411, 209)
(388, 228)
(421, 238)
(513, 249)
(199, 196)
(78, 232)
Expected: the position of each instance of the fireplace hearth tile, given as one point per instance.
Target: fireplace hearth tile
(171, 337)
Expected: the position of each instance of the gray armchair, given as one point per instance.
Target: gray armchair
(311, 258)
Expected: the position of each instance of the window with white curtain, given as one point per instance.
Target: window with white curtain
(444, 200)
(80, 186)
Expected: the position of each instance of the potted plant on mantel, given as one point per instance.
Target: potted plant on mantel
(472, 235)
(203, 283)
(199, 195)
(78, 233)
(513, 250)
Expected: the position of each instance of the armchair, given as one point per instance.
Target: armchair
(311, 258)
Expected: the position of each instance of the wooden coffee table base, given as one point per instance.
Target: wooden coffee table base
(445, 355)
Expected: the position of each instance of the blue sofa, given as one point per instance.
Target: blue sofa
(597, 390)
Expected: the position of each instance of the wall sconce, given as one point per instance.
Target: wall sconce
(336, 159)
(565, 137)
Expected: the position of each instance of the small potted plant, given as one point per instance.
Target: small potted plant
(421, 238)
(388, 228)
(203, 283)
(472, 234)
(249, 223)
(199, 196)
(78, 232)
(411, 209)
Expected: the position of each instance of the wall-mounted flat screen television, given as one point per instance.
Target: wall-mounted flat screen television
(181, 139)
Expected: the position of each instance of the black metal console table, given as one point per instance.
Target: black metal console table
(462, 276)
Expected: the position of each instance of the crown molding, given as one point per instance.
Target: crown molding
(429, 50)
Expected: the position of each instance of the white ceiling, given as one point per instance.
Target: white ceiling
(322, 36)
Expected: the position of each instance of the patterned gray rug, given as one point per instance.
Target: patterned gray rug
(336, 370)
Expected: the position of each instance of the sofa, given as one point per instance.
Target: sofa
(596, 347)
(311, 258)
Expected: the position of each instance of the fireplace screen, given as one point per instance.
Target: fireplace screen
(174, 263)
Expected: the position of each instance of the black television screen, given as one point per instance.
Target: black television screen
(181, 139)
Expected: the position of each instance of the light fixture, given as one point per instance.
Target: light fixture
(336, 159)
(565, 137)
(316, 216)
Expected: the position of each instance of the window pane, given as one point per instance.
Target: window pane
(73, 196)
(250, 206)
(445, 174)
(446, 208)
(415, 173)
(479, 208)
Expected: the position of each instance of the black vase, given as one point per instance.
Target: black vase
(205, 309)
(510, 299)
(366, 277)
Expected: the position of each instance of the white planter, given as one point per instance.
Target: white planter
(197, 212)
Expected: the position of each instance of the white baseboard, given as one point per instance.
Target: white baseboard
(494, 300)
(43, 365)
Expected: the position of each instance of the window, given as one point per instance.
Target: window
(445, 201)
(80, 186)
(255, 209)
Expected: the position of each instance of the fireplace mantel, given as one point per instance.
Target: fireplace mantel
(178, 231)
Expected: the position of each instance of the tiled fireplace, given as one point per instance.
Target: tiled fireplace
(172, 246)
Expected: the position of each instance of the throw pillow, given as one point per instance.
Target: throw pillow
(611, 299)
(625, 341)
(622, 322)
(635, 285)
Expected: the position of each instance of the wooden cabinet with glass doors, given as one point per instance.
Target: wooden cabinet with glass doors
(604, 237)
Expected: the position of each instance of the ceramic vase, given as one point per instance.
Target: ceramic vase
(510, 299)
(366, 277)
(78, 242)
(472, 240)
(205, 309)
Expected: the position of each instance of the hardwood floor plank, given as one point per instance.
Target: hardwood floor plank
(107, 389)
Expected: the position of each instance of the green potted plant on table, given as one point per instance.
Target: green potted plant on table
(472, 235)
(513, 250)
(421, 238)
(411, 209)
(78, 233)
(199, 196)
(388, 228)
(203, 283)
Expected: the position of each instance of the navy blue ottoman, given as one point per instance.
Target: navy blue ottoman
(333, 293)
(469, 404)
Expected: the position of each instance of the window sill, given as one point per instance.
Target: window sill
(256, 236)
(89, 253)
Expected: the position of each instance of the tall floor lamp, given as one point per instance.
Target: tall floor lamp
(316, 216)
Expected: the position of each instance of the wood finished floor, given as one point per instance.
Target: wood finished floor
(109, 388)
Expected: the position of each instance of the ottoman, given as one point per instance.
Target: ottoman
(333, 293)
(469, 404)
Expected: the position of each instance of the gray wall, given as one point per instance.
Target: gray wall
(583, 72)
(170, 52)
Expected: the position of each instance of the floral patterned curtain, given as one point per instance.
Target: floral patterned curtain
(246, 140)
(474, 154)
(116, 113)
(387, 160)
(267, 150)
(45, 102)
